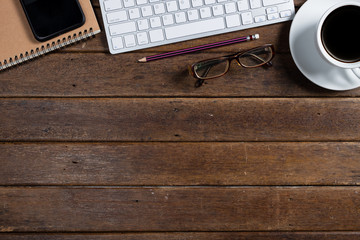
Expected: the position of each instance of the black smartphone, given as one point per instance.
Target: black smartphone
(51, 18)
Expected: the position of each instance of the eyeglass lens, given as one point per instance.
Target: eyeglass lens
(211, 68)
(256, 57)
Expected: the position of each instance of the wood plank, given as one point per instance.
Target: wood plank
(182, 119)
(97, 75)
(179, 209)
(189, 236)
(180, 164)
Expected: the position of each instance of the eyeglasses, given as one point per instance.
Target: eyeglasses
(217, 67)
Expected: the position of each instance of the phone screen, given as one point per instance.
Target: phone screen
(51, 18)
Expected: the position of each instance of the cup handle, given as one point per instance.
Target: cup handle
(357, 72)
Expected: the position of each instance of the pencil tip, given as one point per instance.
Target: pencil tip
(142, 60)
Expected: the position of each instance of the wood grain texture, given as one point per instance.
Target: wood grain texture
(179, 209)
(97, 75)
(179, 119)
(97, 146)
(170, 164)
(190, 236)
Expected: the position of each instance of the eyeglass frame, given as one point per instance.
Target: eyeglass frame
(229, 59)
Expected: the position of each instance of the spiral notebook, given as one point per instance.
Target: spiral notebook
(17, 42)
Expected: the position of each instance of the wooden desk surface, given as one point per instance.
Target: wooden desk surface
(97, 146)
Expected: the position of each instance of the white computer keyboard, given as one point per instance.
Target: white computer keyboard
(136, 24)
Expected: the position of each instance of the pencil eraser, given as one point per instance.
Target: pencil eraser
(256, 36)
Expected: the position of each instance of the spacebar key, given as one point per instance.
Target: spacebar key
(194, 28)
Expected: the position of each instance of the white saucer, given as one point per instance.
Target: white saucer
(306, 55)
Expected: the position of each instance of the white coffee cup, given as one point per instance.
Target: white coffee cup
(321, 45)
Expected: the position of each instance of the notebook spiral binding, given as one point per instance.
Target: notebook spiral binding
(59, 43)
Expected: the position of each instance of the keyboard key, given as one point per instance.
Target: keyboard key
(273, 16)
(193, 15)
(130, 41)
(141, 2)
(117, 43)
(180, 17)
(155, 22)
(156, 35)
(134, 13)
(112, 5)
(142, 38)
(261, 18)
(143, 24)
(205, 12)
(129, 3)
(243, 5)
(271, 10)
(197, 3)
(247, 18)
(146, 11)
(208, 2)
(168, 19)
(184, 4)
(233, 21)
(218, 10)
(122, 28)
(159, 8)
(230, 7)
(273, 2)
(286, 13)
(194, 28)
(116, 17)
(255, 3)
(171, 6)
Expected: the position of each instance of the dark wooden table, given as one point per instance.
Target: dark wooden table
(97, 146)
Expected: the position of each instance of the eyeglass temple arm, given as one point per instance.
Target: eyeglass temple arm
(200, 82)
(207, 71)
(269, 64)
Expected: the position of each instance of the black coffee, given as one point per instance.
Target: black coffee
(340, 34)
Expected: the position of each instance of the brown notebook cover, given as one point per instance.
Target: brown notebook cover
(17, 42)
